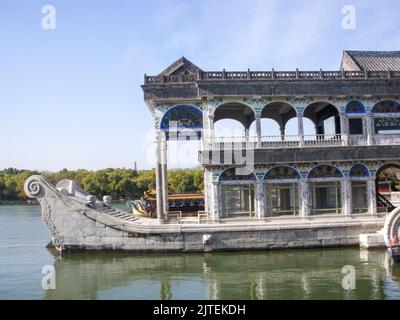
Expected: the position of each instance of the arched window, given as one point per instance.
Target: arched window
(355, 106)
(386, 106)
(238, 198)
(359, 188)
(282, 196)
(386, 124)
(237, 174)
(282, 172)
(325, 194)
(359, 170)
(325, 171)
(182, 116)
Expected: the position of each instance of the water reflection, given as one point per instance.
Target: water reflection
(306, 274)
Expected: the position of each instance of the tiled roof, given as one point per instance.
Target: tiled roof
(375, 60)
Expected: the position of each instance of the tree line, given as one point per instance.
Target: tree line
(118, 183)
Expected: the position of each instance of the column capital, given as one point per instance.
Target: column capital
(300, 103)
(257, 104)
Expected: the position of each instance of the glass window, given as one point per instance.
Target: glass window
(325, 197)
(355, 126)
(359, 196)
(282, 199)
(238, 200)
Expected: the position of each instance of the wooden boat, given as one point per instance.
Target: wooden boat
(187, 203)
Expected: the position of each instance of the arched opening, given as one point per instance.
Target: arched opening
(237, 192)
(384, 120)
(182, 126)
(271, 128)
(281, 113)
(325, 117)
(309, 127)
(325, 190)
(281, 188)
(359, 188)
(388, 187)
(228, 128)
(233, 111)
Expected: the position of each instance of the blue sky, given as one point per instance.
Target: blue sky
(71, 97)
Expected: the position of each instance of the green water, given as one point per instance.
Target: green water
(294, 274)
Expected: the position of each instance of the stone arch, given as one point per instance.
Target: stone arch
(279, 111)
(282, 172)
(237, 174)
(319, 111)
(236, 111)
(325, 171)
(383, 184)
(386, 166)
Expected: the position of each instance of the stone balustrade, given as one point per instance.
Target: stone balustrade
(272, 75)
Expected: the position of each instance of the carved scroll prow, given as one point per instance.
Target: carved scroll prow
(33, 186)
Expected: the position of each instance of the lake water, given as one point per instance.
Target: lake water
(291, 274)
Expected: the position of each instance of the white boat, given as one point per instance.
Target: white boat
(78, 221)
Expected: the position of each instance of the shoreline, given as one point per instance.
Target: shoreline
(19, 202)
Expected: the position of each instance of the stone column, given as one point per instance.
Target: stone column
(369, 121)
(215, 205)
(346, 196)
(258, 130)
(260, 199)
(282, 129)
(159, 195)
(371, 196)
(247, 134)
(304, 196)
(211, 129)
(300, 131)
(344, 129)
(164, 172)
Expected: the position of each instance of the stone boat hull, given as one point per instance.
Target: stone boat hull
(76, 226)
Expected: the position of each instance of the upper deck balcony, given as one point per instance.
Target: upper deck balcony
(319, 124)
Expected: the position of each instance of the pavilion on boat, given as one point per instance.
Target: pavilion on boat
(335, 133)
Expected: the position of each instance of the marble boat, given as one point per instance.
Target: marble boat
(310, 189)
(78, 221)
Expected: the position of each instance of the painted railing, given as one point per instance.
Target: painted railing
(272, 75)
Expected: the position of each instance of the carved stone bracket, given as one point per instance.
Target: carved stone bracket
(300, 103)
(257, 104)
